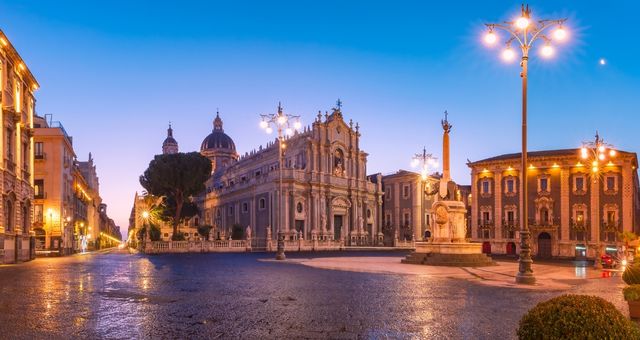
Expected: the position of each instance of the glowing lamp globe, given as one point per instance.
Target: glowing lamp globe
(263, 124)
(547, 51)
(584, 152)
(522, 23)
(490, 38)
(297, 125)
(612, 153)
(601, 156)
(282, 120)
(268, 129)
(508, 54)
(601, 148)
(560, 34)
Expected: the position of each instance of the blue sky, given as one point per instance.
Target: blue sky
(115, 73)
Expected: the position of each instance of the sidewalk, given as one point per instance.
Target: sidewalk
(548, 276)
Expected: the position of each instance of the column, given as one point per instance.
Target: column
(497, 220)
(565, 209)
(416, 211)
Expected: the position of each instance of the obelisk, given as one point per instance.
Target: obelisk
(446, 170)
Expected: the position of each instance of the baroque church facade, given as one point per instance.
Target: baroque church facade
(326, 193)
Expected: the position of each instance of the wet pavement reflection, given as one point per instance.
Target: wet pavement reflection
(238, 296)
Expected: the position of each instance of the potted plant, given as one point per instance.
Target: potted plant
(632, 296)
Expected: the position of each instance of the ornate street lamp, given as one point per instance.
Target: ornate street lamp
(523, 32)
(285, 124)
(426, 162)
(597, 154)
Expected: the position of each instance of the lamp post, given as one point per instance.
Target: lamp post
(525, 32)
(147, 234)
(425, 161)
(285, 124)
(597, 154)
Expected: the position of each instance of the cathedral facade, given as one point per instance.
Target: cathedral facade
(326, 194)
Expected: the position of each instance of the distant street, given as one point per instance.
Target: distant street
(117, 295)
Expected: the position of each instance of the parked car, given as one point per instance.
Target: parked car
(609, 261)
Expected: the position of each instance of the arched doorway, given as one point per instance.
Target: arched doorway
(486, 247)
(544, 246)
(511, 248)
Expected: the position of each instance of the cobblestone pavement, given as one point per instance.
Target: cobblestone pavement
(115, 296)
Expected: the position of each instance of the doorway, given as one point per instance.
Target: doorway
(511, 248)
(544, 245)
(337, 227)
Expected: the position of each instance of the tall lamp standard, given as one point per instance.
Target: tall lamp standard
(524, 32)
(285, 124)
(425, 161)
(597, 154)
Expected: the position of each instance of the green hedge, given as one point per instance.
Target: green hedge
(632, 292)
(576, 317)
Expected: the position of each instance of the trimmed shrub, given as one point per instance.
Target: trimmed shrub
(631, 274)
(631, 293)
(576, 317)
(178, 237)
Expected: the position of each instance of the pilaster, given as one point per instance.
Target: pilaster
(627, 197)
(497, 220)
(565, 209)
(594, 207)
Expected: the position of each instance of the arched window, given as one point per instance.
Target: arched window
(262, 203)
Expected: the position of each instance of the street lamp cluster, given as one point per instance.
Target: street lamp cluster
(597, 153)
(285, 125)
(525, 32)
(425, 161)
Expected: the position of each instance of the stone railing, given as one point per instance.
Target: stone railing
(162, 247)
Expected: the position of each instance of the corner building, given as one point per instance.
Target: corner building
(17, 86)
(573, 213)
(326, 193)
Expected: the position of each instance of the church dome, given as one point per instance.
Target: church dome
(217, 139)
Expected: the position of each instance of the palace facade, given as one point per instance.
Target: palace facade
(326, 194)
(574, 210)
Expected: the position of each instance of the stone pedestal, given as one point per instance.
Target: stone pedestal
(449, 246)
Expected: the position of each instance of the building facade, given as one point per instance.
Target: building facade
(54, 194)
(406, 207)
(575, 210)
(17, 86)
(326, 194)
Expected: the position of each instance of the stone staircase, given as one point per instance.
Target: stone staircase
(452, 260)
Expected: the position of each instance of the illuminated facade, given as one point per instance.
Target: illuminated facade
(575, 211)
(406, 211)
(54, 194)
(17, 86)
(69, 215)
(326, 195)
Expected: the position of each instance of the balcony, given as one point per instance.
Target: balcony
(41, 156)
(485, 223)
(40, 196)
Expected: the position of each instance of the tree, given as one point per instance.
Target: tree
(205, 231)
(177, 177)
